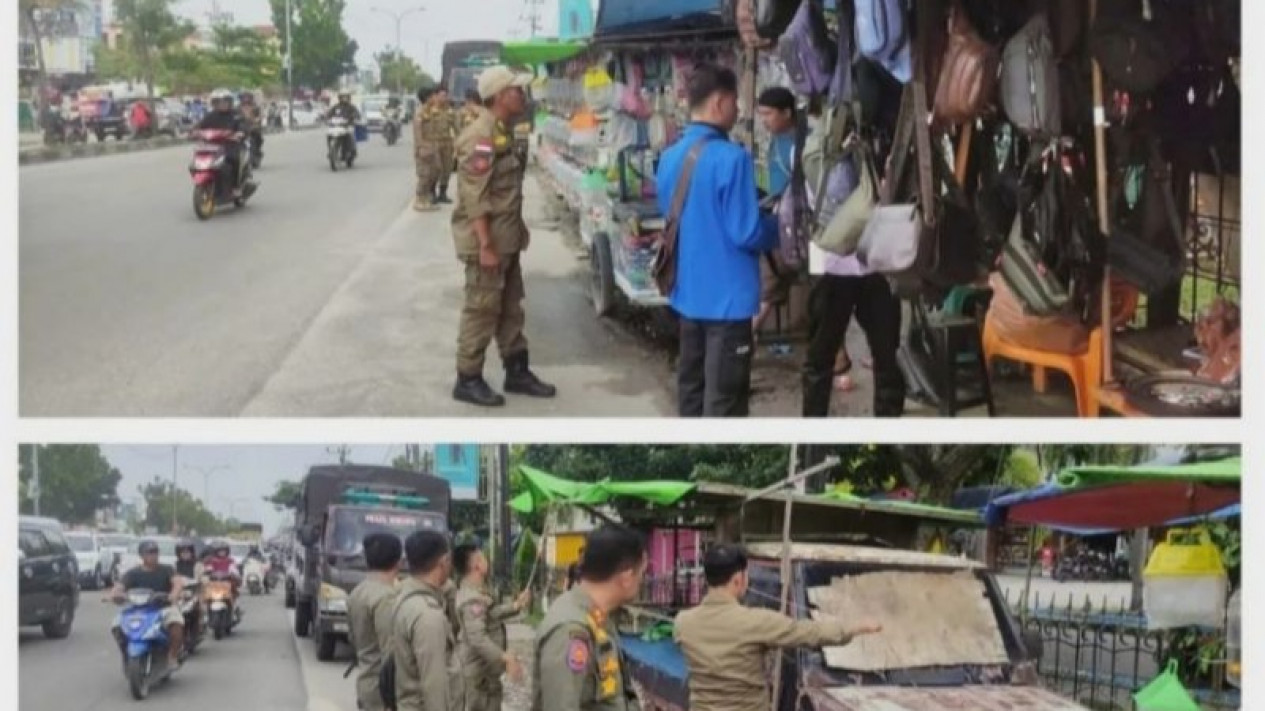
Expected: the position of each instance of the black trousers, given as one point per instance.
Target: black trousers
(714, 368)
(832, 302)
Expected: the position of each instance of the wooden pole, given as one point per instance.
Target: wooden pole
(785, 571)
(1104, 210)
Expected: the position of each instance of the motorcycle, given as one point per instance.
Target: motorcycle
(223, 614)
(213, 181)
(191, 608)
(256, 140)
(341, 142)
(391, 131)
(273, 577)
(143, 641)
(253, 571)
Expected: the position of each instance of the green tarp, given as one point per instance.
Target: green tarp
(540, 51)
(909, 507)
(1221, 471)
(544, 489)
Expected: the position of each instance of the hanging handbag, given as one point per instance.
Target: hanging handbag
(794, 214)
(968, 75)
(665, 259)
(1147, 248)
(1030, 80)
(1139, 42)
(772, 17)
(842, 234)
(807, 52)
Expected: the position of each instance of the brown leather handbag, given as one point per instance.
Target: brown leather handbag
(664, 268)
(968, 74)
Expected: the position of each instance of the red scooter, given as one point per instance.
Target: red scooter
(214, 183)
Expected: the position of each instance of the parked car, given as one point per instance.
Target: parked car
(94, 562)
(171, 118)
(48, 589)
(118, 546)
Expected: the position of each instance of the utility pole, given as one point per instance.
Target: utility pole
(501, 511)
(399, 52)
(533, 16)
(289, 70)
(35, 477)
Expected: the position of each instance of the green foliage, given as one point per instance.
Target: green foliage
(399, 71)
(1023, 470)
(75, 481)
(286, 496)
(163, 500)
(149, 29)
(322, 50)
(467, 516)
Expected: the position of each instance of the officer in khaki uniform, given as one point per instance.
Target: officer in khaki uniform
(428, 674)
(489, 234)
(432, 140)
(579, 665)
(448, 119)
(369, 610)
(482, 640)
(726, 643)
(470, 111)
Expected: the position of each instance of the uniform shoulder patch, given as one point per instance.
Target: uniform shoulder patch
(476, 608)
(578, 653)
(479, 161)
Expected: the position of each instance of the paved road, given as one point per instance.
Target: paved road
(325, 296)
(256, 668)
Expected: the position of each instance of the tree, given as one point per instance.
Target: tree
(75, 481)
(398, 72)
(287, 495)
(163, 500)
(149, 28)
(322, 50)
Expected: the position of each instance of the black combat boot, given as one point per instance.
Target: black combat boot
(476, 391)
(442, 197)
(520, 380)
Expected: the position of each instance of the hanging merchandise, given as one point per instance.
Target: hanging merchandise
(744, 17)
(1165, 693)
(1147, 246)
(599, 89)
(794, 215)
(968, 75)
(807, 52)
(843, 232)
(1184, 583)
(1030, 80)
(1139, 42)
(772, 17)
(840, 92)
(881, 28)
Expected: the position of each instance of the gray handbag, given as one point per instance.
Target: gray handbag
(894, 240)
(842, 235)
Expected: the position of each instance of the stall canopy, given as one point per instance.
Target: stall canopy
(539, 52)
(621, 18)
(1107, 498)
(544, 489)
(928, 511)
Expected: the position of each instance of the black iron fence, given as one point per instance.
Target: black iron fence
(1100, 656)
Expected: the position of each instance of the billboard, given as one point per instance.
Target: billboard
(459, 464)
(575, 19)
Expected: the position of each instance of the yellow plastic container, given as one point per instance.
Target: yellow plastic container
(1185, 582)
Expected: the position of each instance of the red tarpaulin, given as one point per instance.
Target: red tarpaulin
(1124, 506)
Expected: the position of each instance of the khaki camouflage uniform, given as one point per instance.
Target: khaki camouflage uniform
(482, 646)
(579, 665)
(369, 610)
(432, 141)
(489, 186)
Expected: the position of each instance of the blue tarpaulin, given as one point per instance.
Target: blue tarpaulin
(626, 17)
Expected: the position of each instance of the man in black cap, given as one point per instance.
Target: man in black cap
(154, 576)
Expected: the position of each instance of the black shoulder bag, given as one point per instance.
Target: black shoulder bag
(664, 268)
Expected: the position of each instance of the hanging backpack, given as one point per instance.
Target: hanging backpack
(1147, 247)
(881, 28)
(1030, 80)
(794, 214)
(386, 673)
(1138, 43)
(840, 92)
(968, 73)
(806, 50)
(772, 17)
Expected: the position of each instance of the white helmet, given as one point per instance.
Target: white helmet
(221, 95)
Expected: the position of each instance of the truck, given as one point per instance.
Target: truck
(462, 62)
(338, 507)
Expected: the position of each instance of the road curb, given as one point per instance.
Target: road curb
(52, 154)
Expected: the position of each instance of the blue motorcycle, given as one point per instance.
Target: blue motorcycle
(144, 641)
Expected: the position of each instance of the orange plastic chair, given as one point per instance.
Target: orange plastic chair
(1085, 369)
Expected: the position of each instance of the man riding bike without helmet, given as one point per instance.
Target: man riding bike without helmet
(222, 117)
(152, 575)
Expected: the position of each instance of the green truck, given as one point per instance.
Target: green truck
(340, 505)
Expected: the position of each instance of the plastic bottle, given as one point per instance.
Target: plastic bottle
(1234, 640)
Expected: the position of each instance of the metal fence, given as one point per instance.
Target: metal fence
(1099, 656)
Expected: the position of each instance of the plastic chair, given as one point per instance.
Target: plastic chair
(1085, 369)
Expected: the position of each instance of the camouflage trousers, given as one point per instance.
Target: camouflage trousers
(483, 694)
(445, 167)
(428, 169)
(493, 308)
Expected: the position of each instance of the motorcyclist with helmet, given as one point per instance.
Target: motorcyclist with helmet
(253, 118)
(190, 568)
(222, 117)
(346, 110)
(220, 562)
(156, 577)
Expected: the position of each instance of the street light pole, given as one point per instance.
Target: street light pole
(289, 70)
(175, 525)
(35, 476)
(399, 51)
(206, 473)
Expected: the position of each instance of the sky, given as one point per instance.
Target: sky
(422, 34)
(238, 476)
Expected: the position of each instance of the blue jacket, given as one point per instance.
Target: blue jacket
(722, 231)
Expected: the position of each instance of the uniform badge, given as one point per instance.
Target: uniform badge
(480, 160)
(578, 656)
(476, 609)
(501, 141)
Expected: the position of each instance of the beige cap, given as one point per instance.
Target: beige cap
(494, 80)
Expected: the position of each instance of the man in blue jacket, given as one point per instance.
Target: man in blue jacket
(722, 234)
